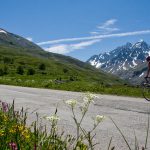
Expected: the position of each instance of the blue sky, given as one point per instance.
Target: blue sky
(78, 28)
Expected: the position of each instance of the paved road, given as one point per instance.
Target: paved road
(130, 114)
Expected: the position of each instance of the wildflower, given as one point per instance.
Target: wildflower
(13, 146)
(5, 107)
(5, 118)
(99, 118)
(1, 133)
(71, 102)
(53, 118)
(25, 133)
(20, 127)
(12, 130)
(89, 98)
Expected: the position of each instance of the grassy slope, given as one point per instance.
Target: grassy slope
(75, 75)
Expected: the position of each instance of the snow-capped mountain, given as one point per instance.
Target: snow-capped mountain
(122, 59)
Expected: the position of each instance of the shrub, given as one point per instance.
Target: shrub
(8, 60)
(65, 70)
(42, 66)
(5, 70)
(30, 71)
(1, 72)
(20, 70)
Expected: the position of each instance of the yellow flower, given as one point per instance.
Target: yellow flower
(25, 133)
(1, 132)
(5, 118)
(21, 128)
(12, 131)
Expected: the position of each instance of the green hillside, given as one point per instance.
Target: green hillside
(42, 69)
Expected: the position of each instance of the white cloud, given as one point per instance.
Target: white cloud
(82, 45)
(66, 48)
(94, 33)
(29, 39)
(61, 49)
(107, 27)
(108, 23)
(104, 36)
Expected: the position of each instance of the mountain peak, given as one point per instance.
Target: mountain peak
(141, 44)
(122, 58)
(3, 31)
(141, 40)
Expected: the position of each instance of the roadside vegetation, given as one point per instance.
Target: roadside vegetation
(15, 134)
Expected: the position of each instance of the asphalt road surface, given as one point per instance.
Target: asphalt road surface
(130, 114)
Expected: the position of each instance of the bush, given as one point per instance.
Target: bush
(20, 70)
(1, 72)
(5, 70)
(65, 70)
(42, 66)
(8, 60)
(30, 71)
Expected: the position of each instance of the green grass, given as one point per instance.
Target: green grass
(79, 86)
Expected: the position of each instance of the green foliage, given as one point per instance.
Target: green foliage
(65, 70)
(5, 70)
(1, 72)
(8, 60)
(30, 71)
(42, 66)
(20, 70)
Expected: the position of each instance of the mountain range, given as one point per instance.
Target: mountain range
(22, 62)
(127, 61)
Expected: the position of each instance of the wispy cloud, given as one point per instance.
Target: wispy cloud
(106, 27)
(108, 23)
(94, 32)
(67, 48)
(104, 30)
(29, 39)
(95, 37)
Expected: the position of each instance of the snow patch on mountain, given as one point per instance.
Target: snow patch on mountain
(2, 31)
(123, 58)
(134, 64)
(141, 74)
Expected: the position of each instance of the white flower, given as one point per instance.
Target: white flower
(53, 118)
(99, 118)
(71, 102)
(89, 98)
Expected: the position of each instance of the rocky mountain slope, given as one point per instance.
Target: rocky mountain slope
(127, 61)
